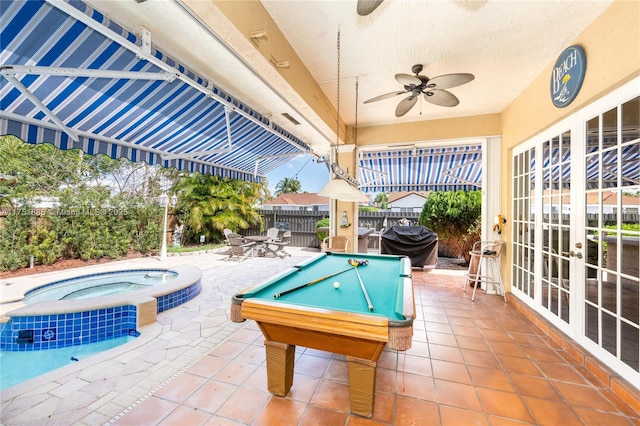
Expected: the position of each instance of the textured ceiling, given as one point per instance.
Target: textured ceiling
(505, 44)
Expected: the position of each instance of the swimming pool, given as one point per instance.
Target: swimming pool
(99, 285)
(95, 313)
(17, 367)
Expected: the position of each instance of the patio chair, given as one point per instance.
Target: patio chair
(239, 248)
(485, 253)
(336, 244)
(277, 247)
(226, 232)
(273, 234)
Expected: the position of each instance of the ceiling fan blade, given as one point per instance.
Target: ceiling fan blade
(448, 81)
(365, 7)
(405, 105)
(385, 96)
(441, 98)
(408, 79)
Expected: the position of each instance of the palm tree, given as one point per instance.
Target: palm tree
(381, 200)
(288, 186)
(209, 204)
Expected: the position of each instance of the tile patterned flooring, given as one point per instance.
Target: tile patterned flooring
(479, 363)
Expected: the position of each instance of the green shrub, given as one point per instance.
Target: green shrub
(455, 216)
(45, 246)
(322, 223)
(14, 239)
(368, 209)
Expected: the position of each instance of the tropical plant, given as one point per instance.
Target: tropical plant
(381, 200)
(209, 204)
(288, 186)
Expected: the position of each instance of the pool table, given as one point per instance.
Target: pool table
(337, 320)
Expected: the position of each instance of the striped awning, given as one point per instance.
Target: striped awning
(74, 78)
(421, 169)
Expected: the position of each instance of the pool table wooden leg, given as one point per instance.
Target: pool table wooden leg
(362, 385)
(280, 359)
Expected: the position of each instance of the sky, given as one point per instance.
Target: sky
(312, 176)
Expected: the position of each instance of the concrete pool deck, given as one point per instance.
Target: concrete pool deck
(479, 362)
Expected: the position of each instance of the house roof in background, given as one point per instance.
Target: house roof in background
(299, 199)
(398, 195)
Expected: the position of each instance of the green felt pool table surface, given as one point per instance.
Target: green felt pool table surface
(383, 277)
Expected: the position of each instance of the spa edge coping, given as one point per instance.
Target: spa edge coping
(187, 275)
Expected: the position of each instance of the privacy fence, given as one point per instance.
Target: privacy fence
(302, 224)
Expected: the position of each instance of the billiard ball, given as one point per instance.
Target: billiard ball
(336, 284)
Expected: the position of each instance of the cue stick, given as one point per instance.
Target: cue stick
(291, 290)
(364, 289)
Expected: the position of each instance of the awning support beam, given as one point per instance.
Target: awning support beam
(90, 73)
(459, 179)
(18, 85)
(229, 148)
(266, 157)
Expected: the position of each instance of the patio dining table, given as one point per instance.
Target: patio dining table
(261, 248)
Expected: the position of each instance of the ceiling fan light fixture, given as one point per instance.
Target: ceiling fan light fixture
(339, 189)
(365, 7)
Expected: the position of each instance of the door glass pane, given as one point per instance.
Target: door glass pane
(631, 120)
(593, 171)
(591, 286)
(610, 292)
(630, 163)
(609, 168)
(630, 347)
(555, 150)
(610, 129)
(609, 333)
(592, 323)
(593, 135)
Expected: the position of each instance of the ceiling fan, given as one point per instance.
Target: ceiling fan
(431, 88)
(365, 7)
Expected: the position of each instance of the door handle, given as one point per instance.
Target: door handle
(575, 254)
(578, 245)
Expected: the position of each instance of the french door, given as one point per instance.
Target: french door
(576, 227)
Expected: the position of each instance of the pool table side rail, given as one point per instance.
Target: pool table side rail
(349, 324)
(405, 304)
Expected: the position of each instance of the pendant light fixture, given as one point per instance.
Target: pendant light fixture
(342, 186)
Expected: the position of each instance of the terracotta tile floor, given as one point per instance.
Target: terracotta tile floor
(470, 364)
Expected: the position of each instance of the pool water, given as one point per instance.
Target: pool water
(17, 367)
(99, 285)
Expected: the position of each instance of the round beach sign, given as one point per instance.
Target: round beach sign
(567, 76)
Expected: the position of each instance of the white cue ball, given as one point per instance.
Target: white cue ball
(336, 284)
